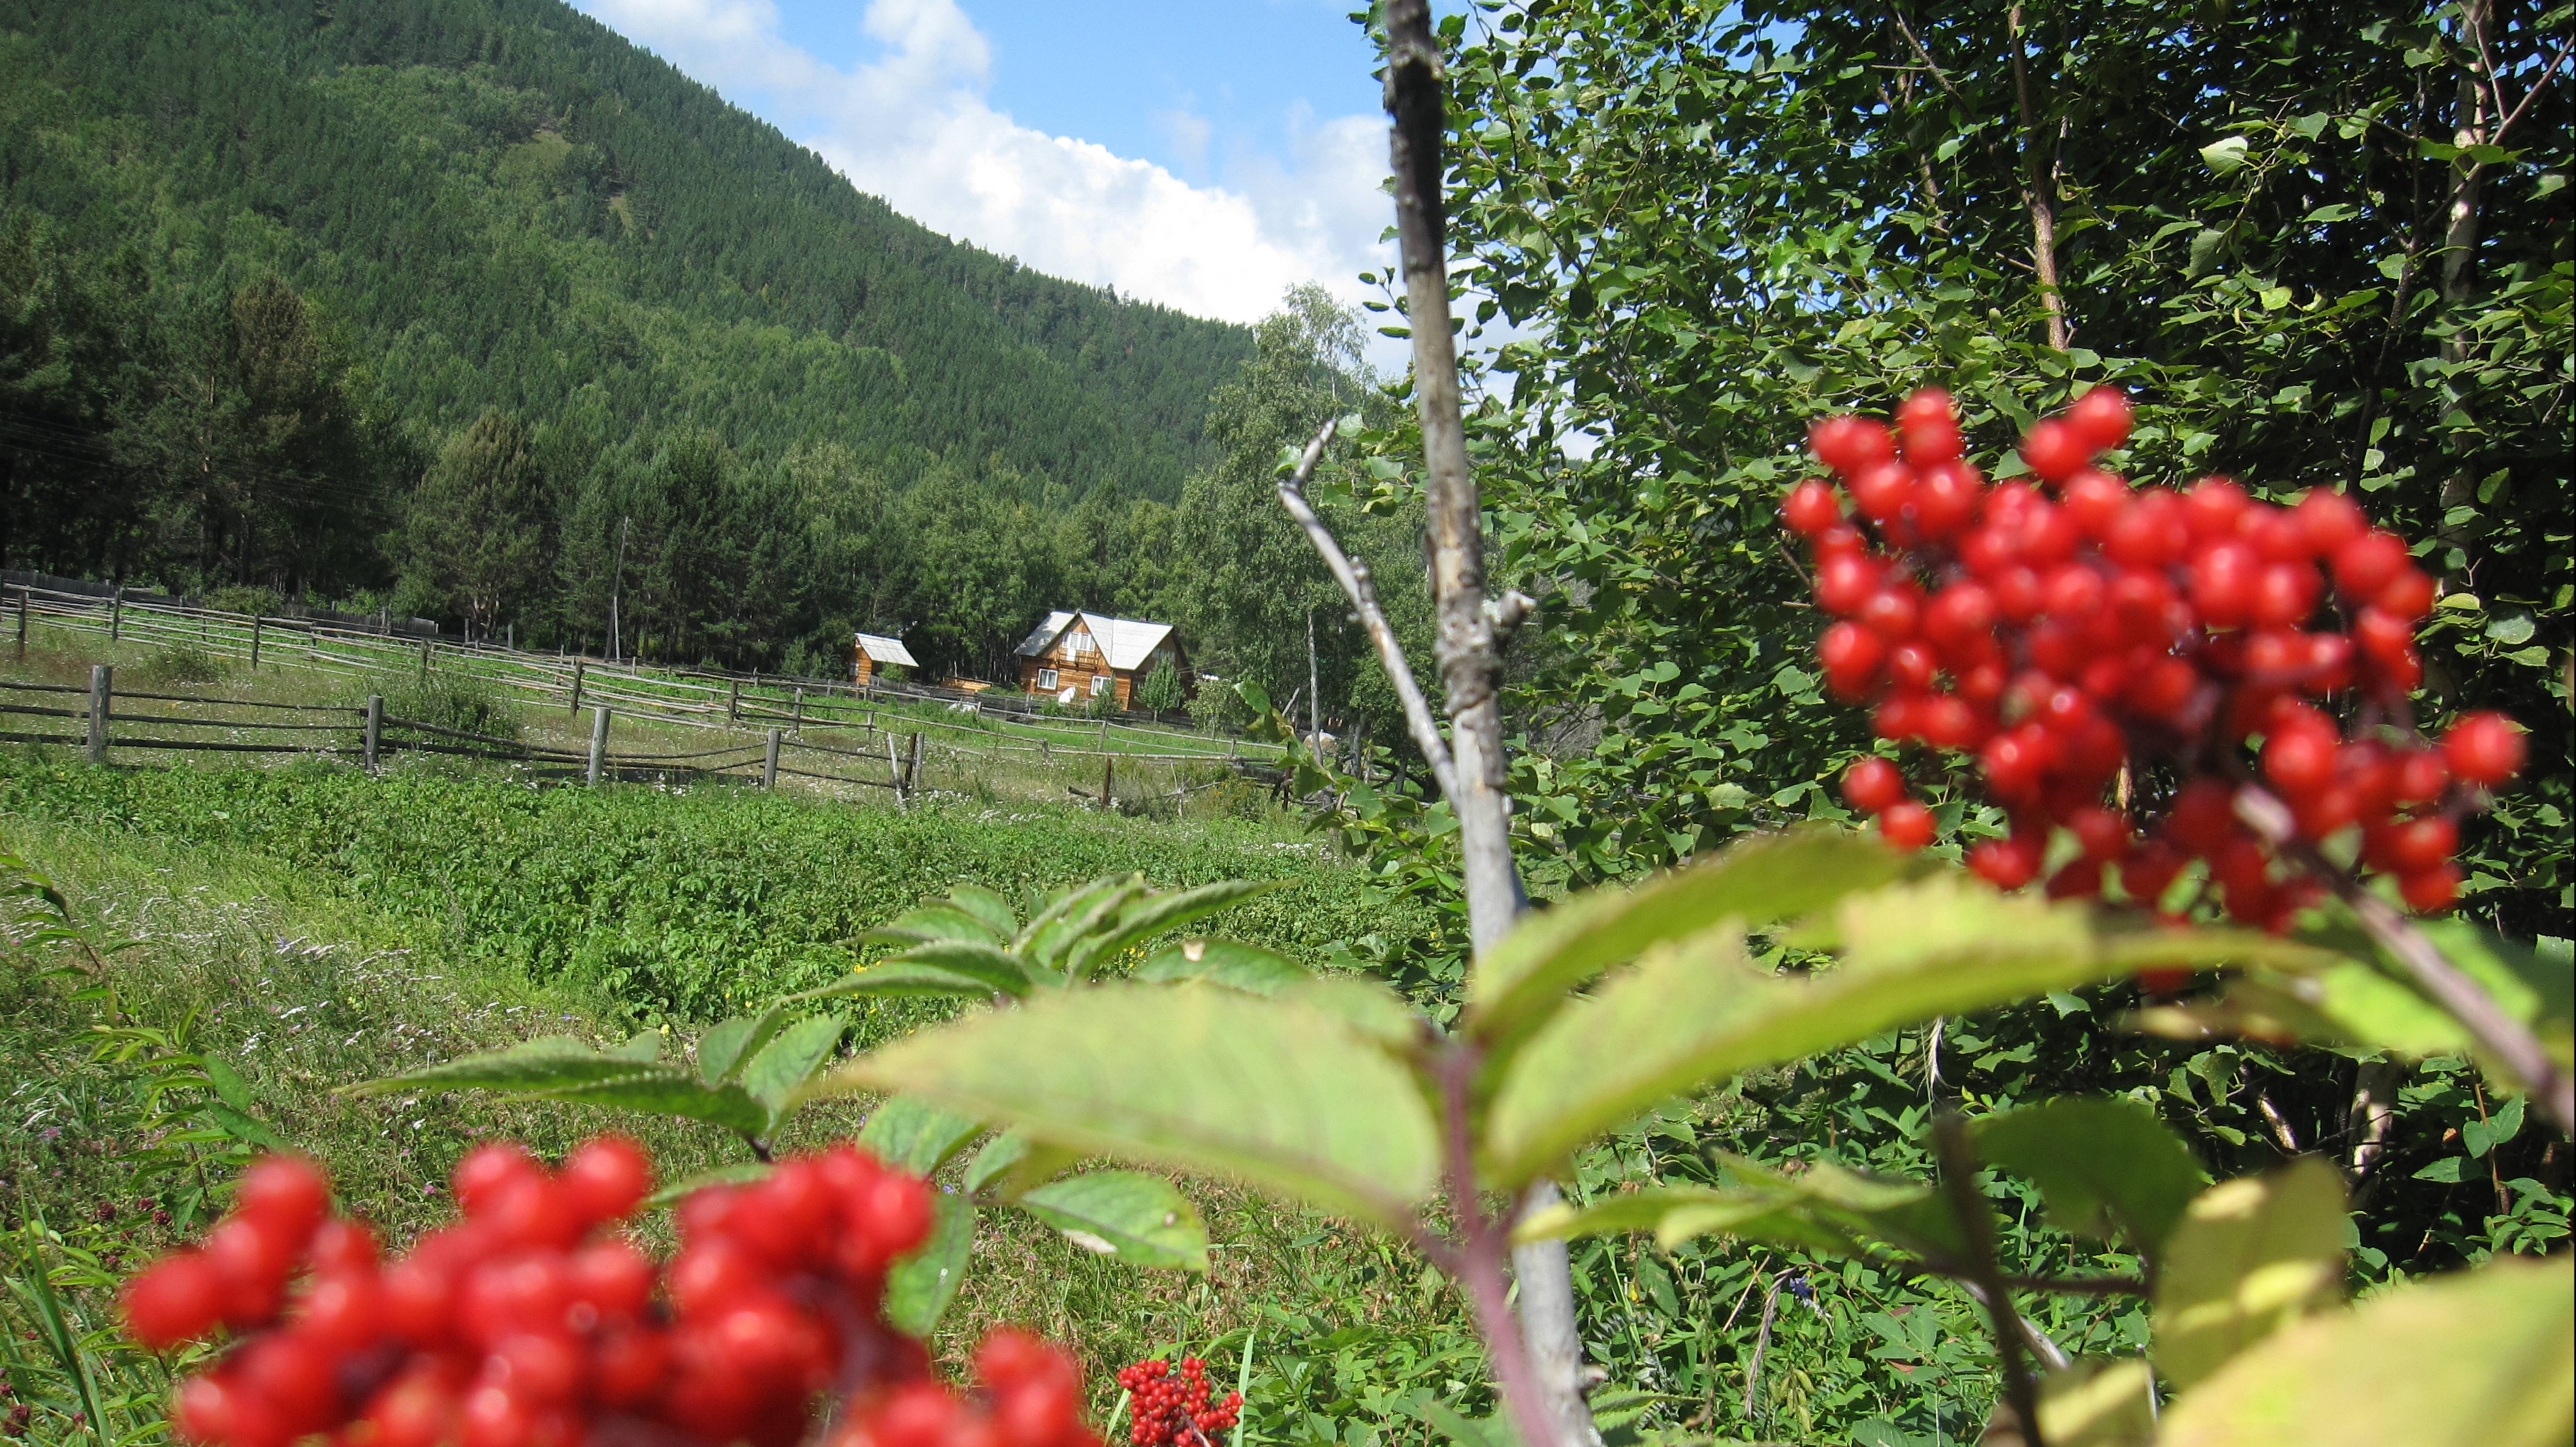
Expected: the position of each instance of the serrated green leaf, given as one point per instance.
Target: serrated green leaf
(1765, 878)
(666, 1091)
(936, 922)
(2249, 1256)
(644, 1046)
(1013, 1162)
(900, 977)
(2099, 1402)
(1221, 962)
(741, 1173)
(1145, 918)
(2480, 1358)
(243, 1126)
(920, 1286)
(1138, 1218)
(787, 1062)
(539, 1066)
(1370, 1009)
(996, 968)
(1205, 1079)
(1049, 941)
(229, 1086)
(2101, 1164)
(1699, 1011)
(724, 1049)
(2224, 155)
(911, 1134)
(995, 911)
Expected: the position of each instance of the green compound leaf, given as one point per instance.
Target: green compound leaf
(1204, 1079)
(1698, 1010)
(2479, 1358)
(1765, 878)
(784, 1065)
(1156, 913)
(1138, 1218)
(911, 1134)
(2101, 1164)
(901, 977)
(920, 1286)
(937, 922)
(2249, 1257)
(726, 1048)
(1221, 962)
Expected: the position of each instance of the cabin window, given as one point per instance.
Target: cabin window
(1046, 678)
(1099, 684)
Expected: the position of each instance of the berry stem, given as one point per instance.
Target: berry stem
(2505, 1042)
(1477, 1258)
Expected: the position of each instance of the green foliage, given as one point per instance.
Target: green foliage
(474, 530)
(1161, 690)
(1707, 226)
(449, 700)
(179, 664)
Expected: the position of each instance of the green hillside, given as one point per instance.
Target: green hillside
(261, 261)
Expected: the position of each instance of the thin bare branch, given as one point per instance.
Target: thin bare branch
(1353, 575)
(2505, 1042)
(1977, 1227)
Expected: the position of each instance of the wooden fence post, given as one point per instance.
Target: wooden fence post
(1108, 766)
(578, 665)
(796, 721)
(424, 658)
(598, 743)
(733, 703)
(375, 726)
(769, 765)
(912, 770)
(22, 623)
(116, 615)
(102, 681)
(255, 621)
(894, 771)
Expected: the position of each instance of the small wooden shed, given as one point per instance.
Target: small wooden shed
(876, 652)
(1076, 657)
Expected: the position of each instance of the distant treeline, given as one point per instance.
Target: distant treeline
(448, 304)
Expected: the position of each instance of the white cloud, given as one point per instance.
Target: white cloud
(916, 127)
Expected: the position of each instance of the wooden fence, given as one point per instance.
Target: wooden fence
(688, 698)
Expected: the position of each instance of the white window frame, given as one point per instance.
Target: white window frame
(1099, 684)
(1046, 679)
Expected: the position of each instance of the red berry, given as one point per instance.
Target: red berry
(1906, 824)
(2095, 500)
(1891, 613)
(344, 1246)
(2104, 833)
(486, 1170)
(2369, 563)
(2055, 450)
(1847, 444)
(1811, 507)
(1843, 583)
(2427, 891)
(297, 1376)
(2215, 508)
(2409, 595)
(494, 1418)
(708, 1276)
(1911, 668)
(605, 1178)
(894, 1216)
(252, 1264)
(2422, 776)
(2300, 761)
(1928, 428)
(2203, 817)
(534, 1211)
(1872, 784)
(2329, 520)
(2164, 979)
(2078, 879)
(2150, 870)
(287, 1195)
(629, 1365)
(344, 1310)
(2101, 418)
(1959, 613)
(178, 1298)
(1882, 490)
(1851, 655)
(539, 1368)
(2006, 863)
(2483, 749)
(415, 1410)
(1946, 498)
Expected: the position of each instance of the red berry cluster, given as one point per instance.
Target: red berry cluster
(530, 1323)
(2061, 627)
(1031, 1396)
(1172, 1410)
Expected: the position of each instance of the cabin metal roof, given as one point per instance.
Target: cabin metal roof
(1126, 642)
(886, 650)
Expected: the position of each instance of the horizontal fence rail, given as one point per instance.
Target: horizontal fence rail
(1002, 724)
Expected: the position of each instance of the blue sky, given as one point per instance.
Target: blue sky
(1205, 155)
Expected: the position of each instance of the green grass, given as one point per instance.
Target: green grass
(310, 926)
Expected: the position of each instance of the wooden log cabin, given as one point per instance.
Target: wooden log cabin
(876, 652)
(1075, 657)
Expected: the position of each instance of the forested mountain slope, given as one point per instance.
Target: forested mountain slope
(262, 260)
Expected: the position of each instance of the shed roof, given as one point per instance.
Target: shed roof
(886, 650)
(1126, 641)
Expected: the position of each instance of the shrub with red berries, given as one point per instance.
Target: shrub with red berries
(1171, 1409)
(532, 1323)
(2066, 631)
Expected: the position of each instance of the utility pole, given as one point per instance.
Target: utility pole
(616, 585)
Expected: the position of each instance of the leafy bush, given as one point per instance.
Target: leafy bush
(266, 601)
(1161, 690)
(454, 701)
(180, 664)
